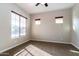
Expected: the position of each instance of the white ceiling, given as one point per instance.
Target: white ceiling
(32, 9)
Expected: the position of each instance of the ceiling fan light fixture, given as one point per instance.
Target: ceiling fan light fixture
(43, 3)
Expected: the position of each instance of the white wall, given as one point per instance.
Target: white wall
(75, 27)
(5, 27)
(48, 30)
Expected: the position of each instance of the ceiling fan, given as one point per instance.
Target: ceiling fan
(46, 4)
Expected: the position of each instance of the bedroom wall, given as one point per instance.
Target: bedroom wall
(6, 42)
(75, 27)
(48, 30)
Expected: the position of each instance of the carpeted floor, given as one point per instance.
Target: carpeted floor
(37, 48)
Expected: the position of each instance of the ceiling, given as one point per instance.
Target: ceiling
(32, 9)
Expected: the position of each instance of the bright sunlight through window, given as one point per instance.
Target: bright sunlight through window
(59, 20)
(18, 26)
(37, 22)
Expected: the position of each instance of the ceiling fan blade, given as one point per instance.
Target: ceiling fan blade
(46, 4)
(37, 4)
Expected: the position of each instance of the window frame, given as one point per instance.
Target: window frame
(18, 25)
(59, 20)
(37, 21)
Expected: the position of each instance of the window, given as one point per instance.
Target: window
(18, 25)
(59, 20)
(22, 26)
(37, 21)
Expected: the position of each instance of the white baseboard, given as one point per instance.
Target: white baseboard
(75, 46)
(51, 41)
(12, 47)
